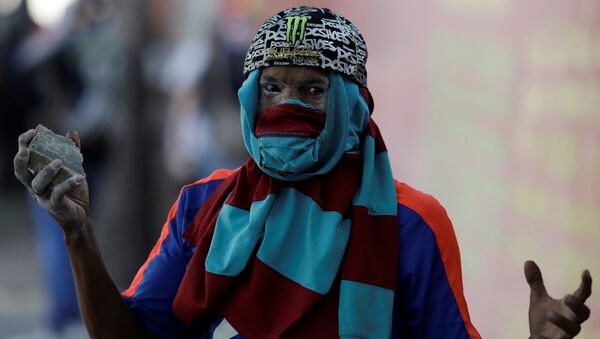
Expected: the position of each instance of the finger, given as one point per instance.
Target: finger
(25, 138)
(533, 275)
(571, 327)
(20, 167)
(585, 287)
(45, 176)
(63, 188)
(582, 312)
(73, 135)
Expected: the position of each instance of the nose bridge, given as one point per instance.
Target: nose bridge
(290, 92)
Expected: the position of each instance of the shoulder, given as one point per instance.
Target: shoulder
(425, 205)
(199, 190)
(215, 177)
(171, 253)
(192, 196)
(421, 212)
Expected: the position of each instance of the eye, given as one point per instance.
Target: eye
(269, 87)
(316, 90)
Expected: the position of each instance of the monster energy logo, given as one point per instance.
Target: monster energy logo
(293, 23)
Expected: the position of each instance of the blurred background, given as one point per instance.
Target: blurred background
(492, 106)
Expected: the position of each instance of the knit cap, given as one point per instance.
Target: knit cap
(309, 36)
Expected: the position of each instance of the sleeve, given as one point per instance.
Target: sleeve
(429, 301)
(156, 283)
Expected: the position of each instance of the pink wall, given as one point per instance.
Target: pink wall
(494, 108)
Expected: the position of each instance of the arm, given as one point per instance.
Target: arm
(157, 282)
(429, 295)
(105, 314)
(430, 302)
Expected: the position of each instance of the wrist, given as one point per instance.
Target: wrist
(76, 233)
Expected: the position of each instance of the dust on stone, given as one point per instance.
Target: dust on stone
(47, 146)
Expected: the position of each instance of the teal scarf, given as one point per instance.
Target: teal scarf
(304, 212)
(294, 159)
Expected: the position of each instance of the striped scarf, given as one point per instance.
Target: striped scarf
(302, 240)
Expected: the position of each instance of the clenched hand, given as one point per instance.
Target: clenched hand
(67, 202)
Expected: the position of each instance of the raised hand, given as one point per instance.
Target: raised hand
(556, 318)
(67, 202)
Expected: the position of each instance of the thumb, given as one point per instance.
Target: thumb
(585, 288)
(533, 275)
(73, 135)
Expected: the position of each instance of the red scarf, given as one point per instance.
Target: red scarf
(262, 303)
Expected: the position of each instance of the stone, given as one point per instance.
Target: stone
(47, 146)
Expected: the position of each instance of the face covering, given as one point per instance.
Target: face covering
(269, 243)
(287, 137)
(298, 157)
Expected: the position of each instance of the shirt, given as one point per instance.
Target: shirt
(428, 303)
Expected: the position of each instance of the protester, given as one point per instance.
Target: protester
(310, 238)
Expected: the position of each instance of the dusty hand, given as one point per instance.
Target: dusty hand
(67, 202)
(556, 318)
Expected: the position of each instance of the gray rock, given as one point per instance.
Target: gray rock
(47, 146)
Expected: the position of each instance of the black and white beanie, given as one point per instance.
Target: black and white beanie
(309, 36)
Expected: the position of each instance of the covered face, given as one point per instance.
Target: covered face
(304, 102)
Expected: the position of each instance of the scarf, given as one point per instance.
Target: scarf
(302, 240)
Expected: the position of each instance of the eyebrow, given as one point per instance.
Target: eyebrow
(313, 82)
(267, 78)
(302, 82)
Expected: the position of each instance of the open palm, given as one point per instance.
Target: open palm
(556, 318)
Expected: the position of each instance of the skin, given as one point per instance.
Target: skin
(280, 83)
(556, 318)
(106, 315)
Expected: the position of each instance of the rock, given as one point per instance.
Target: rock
(47, 146)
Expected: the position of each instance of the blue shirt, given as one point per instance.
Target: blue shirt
(428, 303)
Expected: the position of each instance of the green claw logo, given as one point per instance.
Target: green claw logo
(293, 23)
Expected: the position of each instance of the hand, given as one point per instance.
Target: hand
(67, 202)
(551, 318)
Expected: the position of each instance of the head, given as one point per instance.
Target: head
(303, 65)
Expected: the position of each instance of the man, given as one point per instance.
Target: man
(311, 238)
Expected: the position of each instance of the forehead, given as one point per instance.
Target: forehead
(295, 73)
